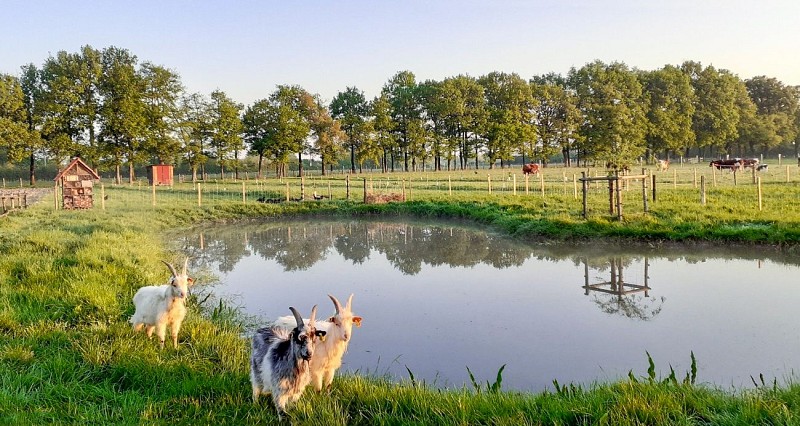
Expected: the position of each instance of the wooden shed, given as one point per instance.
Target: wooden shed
(159, 174)
(77, 181)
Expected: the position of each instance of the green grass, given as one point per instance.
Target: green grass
(68, 355)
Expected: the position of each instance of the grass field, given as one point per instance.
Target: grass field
(68, 355)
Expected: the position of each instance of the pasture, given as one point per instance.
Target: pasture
(67, 278)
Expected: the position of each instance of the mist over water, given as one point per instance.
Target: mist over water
(438, 297)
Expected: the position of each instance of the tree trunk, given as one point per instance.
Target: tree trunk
(299, 164)
(130, 172)
(260, 163)
(352, 158)
(119, 173)
(33, 170)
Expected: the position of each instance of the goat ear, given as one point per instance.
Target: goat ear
(190, 281)
(357, 321)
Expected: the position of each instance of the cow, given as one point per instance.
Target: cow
(751, 163)
(530, 169)
(734, 164)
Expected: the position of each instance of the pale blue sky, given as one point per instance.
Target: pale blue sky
(246, 48)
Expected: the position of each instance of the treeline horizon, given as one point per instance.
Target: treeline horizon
(115, 111)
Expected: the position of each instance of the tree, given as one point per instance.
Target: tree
(382, 139)
(465, 115)
(260, 127)
(14, 134)
(225, 130)
(194, 128)
(350, 108)
(405, 111)
(31, 84)
(122, 112)
(610, 99)
(161, 93)
(715, 116)
(671, 105)
(556, 117)
(777, 107)
(509, 103)
(328, 134)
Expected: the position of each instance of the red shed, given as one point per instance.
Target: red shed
(159, 174)
(77, 181)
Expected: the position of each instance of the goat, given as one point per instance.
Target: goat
(328, 356)
(279, 362)
(159, 306)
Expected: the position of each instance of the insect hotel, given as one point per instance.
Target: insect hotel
(77, 182)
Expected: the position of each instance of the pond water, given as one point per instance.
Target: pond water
(438, 297)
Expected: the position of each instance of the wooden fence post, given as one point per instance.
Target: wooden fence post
(365, 190)
(154, 192)
(759, 193)
(489, 180)
(574, 187)
(244, 194)
(103, 197)
(55, 196)
(541, 182)
(449, 186)
(347, 186)
(199, 195)
(583, 186)
(287, 191)
(515, 184)
(703, 190)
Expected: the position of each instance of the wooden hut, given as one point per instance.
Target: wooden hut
(77, 181)
(159, 174)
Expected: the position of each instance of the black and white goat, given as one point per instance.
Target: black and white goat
(159, 306)
(328, 355)
(279, 362)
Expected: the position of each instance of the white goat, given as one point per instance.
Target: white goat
(279, 362)
(159, 306)
(328, 356)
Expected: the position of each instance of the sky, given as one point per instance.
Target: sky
(247, 48)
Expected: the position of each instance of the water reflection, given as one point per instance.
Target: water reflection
(445, 292)
(618, 296)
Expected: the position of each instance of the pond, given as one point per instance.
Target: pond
(440, 297)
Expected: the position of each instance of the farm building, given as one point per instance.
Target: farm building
(159, 174)
(77, 181)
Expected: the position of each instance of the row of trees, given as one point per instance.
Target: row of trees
(114, 111)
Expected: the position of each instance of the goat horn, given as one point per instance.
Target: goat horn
(336, 304)
(350, 301)
(313, 315)
(171, 268)
(297, 317)
(185, 264)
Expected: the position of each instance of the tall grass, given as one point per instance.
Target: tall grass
(68, 355)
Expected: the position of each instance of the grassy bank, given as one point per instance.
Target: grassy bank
(68, 355)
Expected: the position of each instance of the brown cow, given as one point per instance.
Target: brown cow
(530, 169)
